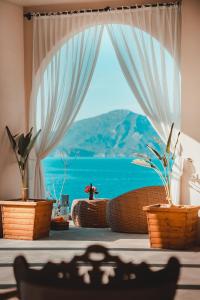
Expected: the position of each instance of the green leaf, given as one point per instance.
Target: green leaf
(168, 147)
(29, 134)
(155, 152)
(24, 142)
(32, 143)
(153, 166)
(173, 156)
(20, 164)
(142, 163)
(142, 155)
(11, 138)
(165, 161)
(22, 145)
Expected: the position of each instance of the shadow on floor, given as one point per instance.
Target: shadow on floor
(92, 234)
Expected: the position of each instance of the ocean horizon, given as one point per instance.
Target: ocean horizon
(111, 176)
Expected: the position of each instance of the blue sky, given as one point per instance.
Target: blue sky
(108, 89)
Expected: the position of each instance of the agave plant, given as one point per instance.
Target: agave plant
(166, 159)
(22, 146)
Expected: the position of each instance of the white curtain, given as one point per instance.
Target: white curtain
(152, 71)
(148, 53)
(59, 88)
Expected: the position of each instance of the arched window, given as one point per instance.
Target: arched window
(109, 130)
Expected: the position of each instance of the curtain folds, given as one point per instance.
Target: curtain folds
(151, 71)
(59, 90)
(147, 44)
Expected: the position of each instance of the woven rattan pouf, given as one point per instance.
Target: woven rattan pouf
(125, 213)
(89, 213)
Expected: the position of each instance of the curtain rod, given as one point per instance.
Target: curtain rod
(31, 14)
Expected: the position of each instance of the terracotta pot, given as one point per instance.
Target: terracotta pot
(28, 220)
(172, 227)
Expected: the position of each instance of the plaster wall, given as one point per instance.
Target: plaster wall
(190, 65)
(190, 70)
(11, 93)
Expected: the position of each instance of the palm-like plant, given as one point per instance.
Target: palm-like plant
(166, 159)
(22, 146)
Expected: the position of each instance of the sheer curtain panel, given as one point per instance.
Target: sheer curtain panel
(59, 88)
(151, 69)
(147, 44)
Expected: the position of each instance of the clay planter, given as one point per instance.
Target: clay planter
(172, 227)
(28, 220)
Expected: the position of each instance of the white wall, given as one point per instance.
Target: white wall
(11, 94)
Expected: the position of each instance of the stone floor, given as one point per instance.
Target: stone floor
(62, 245)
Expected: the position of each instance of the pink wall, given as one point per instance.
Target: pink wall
(11, 93)
(191, 67)
(190, 57)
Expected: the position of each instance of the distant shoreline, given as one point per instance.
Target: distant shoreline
(69, 157)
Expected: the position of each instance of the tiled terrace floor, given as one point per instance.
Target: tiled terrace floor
(63, 245)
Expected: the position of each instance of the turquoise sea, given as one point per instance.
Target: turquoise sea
(112, 177)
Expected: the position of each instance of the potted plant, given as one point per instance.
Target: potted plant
(22, 146)
(170, 226)
(25, 218)
(91, 190)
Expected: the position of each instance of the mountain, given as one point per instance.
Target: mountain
(119, 133)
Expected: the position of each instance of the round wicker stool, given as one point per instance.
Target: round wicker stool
(89, 213)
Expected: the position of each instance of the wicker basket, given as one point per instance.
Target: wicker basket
(172, 227)
(125, 214)
(89, 213)
(59, 225)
